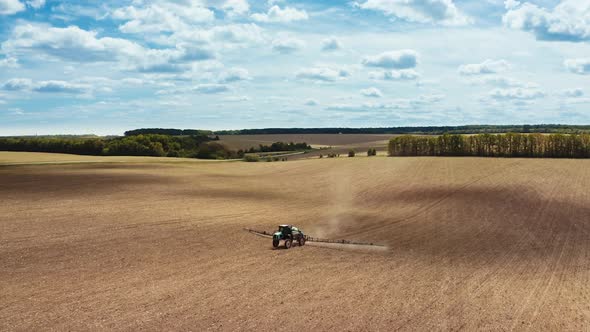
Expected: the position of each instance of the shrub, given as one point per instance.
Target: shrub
(251, 158)
(372, 152)
(351, 153)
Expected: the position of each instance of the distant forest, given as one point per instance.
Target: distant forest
(199, 145)
(487, 145)
(191, 146)
(169, 132)
(471, 129)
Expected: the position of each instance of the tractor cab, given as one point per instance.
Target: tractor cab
(285, 230)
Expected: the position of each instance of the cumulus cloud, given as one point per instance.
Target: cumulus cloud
(287, 45)
(211, 88)
(60, 87)
(25, 84)
(511, 4)
(205, 88)
(9, 63)
(71, 43)
(75, 44)
(486, 67)
(504, 82)
(236, 99)
(372, 92)
(10, 7)
(17, 84)
(234, 75)
(311, 102)
(36, 3)
(395, 75)
(395, 104)
(236, 7)
(573, 93)
(568, 21)
(578, 66)
(162, 16)
(403, 59)
(443, 12)
(277, 15)
(516, 94)
(322, 74)
(222, 35)
(331, 44)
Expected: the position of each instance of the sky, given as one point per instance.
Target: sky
(103, 67)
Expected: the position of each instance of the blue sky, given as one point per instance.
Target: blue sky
(107, 66)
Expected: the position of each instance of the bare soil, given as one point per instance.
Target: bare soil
(472, 244)
(331, 143)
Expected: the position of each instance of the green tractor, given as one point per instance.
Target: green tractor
(288, 234)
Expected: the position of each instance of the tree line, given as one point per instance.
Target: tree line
(427, 130)
(488, 145)
(167, 131)
(192, 146)
(279, 147)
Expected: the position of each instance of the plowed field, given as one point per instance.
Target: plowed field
(472, 243)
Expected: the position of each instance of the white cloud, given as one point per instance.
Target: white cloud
(211, 88)
(205, 88)
(37, 4)
(372, 92)
(322, 74)
(54, 86)
(17, 84)
(395, 104)
(578, 66)
(236, 7)
(278, 15)
(402, 59)
(9, 63)
(568, 21)
(60, 87)
(331, 44)
(70, 43)
(311, 102)
(234, 75)
(236, 99)
(486, 67)
(287, 45)
(573, 93)
(394, 75)
(10, 7)
(516, 94)
(75, 44)
(223, 36)
(442, 12)
(162, 16)
(503, 82)
(511, 4)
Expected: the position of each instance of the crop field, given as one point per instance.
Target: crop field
(332, 143)
(153, 244)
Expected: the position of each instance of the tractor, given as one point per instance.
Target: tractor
(288, 234)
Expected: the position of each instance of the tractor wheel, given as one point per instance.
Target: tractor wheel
(301, 241)
(288, 243)
(275, 243)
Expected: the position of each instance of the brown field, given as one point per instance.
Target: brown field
(472, 244)
(334, 142)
